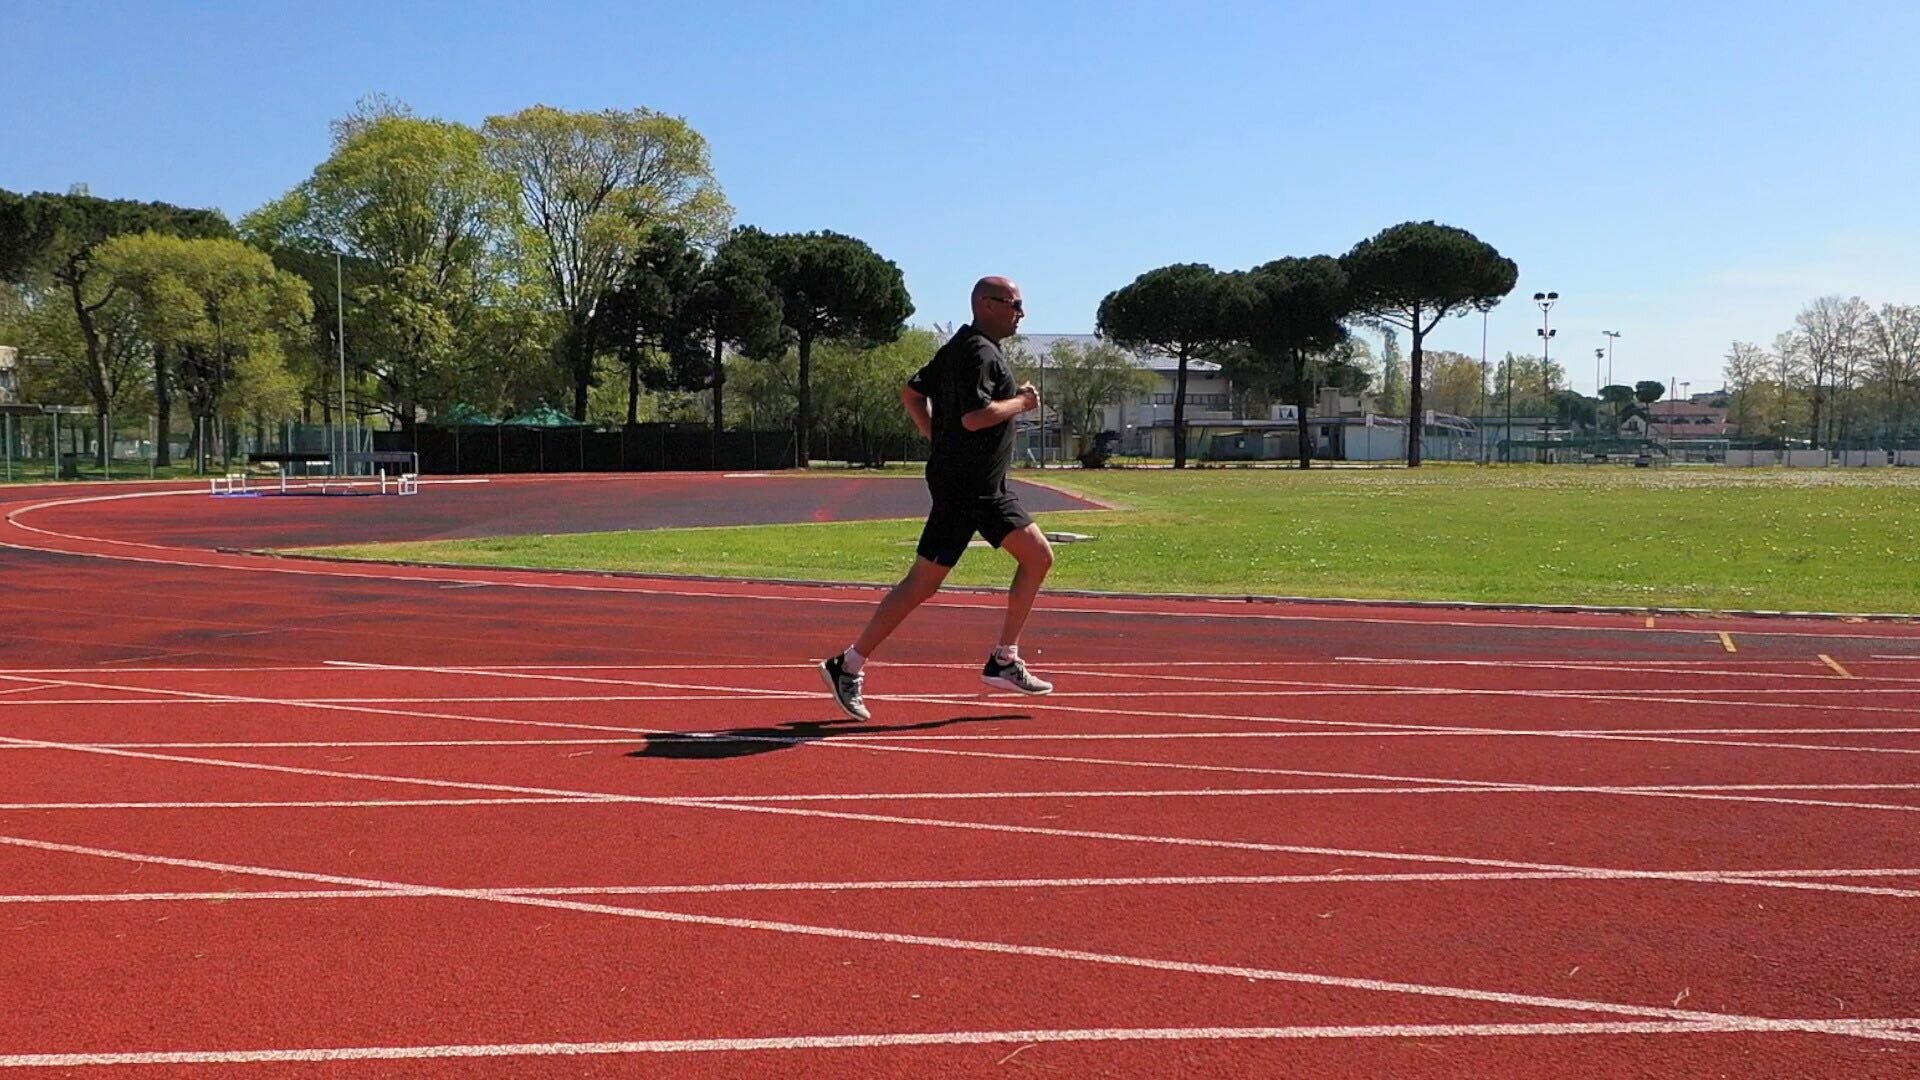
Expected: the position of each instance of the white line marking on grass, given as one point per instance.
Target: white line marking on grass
(1880, 1030)
(1889, 1029)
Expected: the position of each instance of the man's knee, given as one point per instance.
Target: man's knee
(925, 578)
(1030, 548)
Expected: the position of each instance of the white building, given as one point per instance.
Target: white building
(9, 375)
(1343, 427)
(1145, 424)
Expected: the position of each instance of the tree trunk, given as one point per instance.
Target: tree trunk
(802, 455)
(579, 347)
(96, 365)
(1416, 394)
(719, 387)
(162, 410)
(1302, 394)
(1180, 413)
(633, 390)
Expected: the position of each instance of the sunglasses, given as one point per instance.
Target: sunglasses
(1014, 304)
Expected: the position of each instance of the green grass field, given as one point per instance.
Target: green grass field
(1827, 540)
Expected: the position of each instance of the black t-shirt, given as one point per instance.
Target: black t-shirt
(968, 373)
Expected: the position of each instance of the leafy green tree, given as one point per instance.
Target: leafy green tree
(49, 241)
(1575, 410)
(1455, 383)
(733, 306)
(1188, 311)
(222, 312)
(859, 394)
(424, 222)
(1393, 373)
(1648, 391)
(1413, 275)
(832, 288)
(1893, 352)
(1617, 398)
(1298, 311)
(645, 317)
(592, 186)
(315, 358)
(1080, 380)
(1520, 385)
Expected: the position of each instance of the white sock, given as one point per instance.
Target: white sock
(1006, 654)
(854, 661)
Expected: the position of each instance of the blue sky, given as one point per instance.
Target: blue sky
(1686, 173)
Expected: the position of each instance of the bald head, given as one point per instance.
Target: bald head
(997, 307)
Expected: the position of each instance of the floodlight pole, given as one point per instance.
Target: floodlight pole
(1546, 301)
(340, 339)
(1612, 336)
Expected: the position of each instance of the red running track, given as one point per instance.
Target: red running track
(273, 818)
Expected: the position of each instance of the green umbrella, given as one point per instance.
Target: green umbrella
(544, 416)
(461, 414)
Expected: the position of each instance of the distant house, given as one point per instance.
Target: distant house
(1678, 420)
(1343, 427)
(1145, 423)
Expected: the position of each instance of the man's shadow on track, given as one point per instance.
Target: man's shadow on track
(746, 742)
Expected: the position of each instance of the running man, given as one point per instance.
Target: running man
(964, 400)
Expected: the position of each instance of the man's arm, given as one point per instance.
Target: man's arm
(1000, 412)
(916, 404)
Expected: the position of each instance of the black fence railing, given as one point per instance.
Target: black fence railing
(642, 448)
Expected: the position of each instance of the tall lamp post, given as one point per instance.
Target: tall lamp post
(1598, 387)
(1546, 301)
(1484, 307)
(1612, 336)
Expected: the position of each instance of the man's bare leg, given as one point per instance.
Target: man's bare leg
(1030, 549)
(922, 581)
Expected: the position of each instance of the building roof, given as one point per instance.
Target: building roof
(1685, 408)
(1038, 344)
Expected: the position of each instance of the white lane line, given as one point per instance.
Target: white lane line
(233, 699)
(1401, 786)
(885, 748)
(943, 823)
(26, 690)
(1368, 728)
(1680, 666)
(1869, 1029)
(1031, 705)
(879, 1040)
(931, 885)
(737, 695)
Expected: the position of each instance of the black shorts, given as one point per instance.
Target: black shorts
(955, 518)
